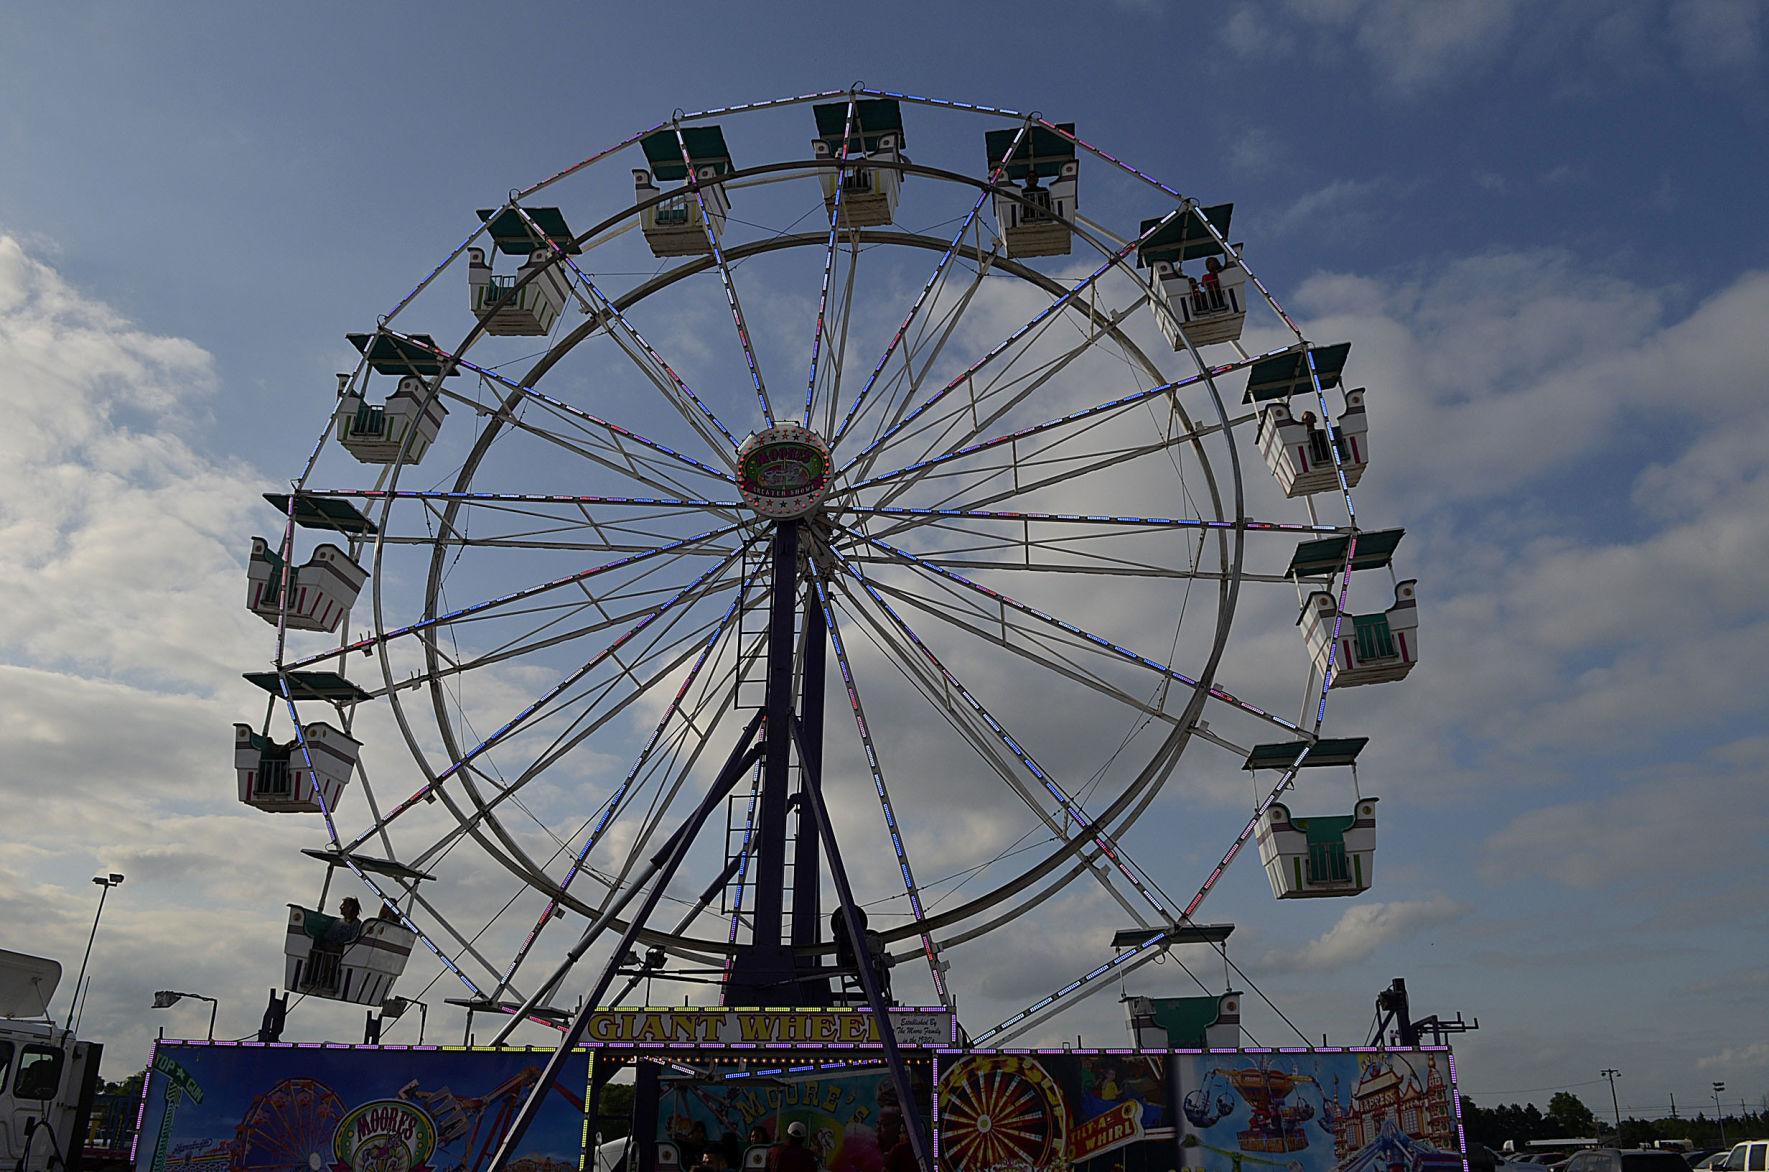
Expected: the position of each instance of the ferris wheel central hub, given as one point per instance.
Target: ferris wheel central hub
(784, 471)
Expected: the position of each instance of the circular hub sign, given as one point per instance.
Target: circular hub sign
(784, 471)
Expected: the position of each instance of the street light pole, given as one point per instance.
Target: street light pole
(167, 998)
(107, 882)
(1719, 1112)
(1612, 1075)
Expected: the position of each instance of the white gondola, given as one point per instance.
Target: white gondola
(375, 434)
(1203, 311)
(1373, 648)
(525, 303)
(674, 226)
(872, 129)
(324, 956)
(1036, 223)
(1296, 449)
(321, 591)
(1318, 856)
(869, 194)
(1209, 305)
(677, 226)
(1036, 202)
(277, 777)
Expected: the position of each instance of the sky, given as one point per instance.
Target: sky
(1539, 224)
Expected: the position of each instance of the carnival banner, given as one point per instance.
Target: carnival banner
(1051, 1112)
(773, 1027)
(287, 1108)
(851, 1121)
(1227, 1111)
(1319, 1111)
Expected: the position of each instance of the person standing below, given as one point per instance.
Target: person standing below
(893, 1141)
(792, 1155)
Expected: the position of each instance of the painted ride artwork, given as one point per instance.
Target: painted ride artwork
(351, 1109)
(1350, 1111)
(602, 639)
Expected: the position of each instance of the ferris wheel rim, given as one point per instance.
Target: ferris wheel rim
(534, 874)
(1199, 692)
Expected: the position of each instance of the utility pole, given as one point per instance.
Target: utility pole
(1612, 1075)
(1673, 1104)
(105, 881)
(1719, 1112)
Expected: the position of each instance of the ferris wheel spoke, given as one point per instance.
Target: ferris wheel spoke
(455, 616)
(876, 769)
(1073, 417)
(927, 287)
(1078, 818)
(471, 824)
(515, 723)
(604, 307)
(452, 361)
(1066, 471)
(468, 524)
(835, 209)
(1001, 347)
(982, 740)
(493, 499)
(486, 810)
(652, 474)
(951, 429)
(585, 702)
(731, 298)
(616, 444)
(941, 517)
(1134, 957)
(838, 342)
(1036, 647)
(1122, 570)
(1125, 653)
(535, 640)
(612, 808)
(893, 406)
(465, 945)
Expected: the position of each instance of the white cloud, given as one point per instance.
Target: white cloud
(1724, 36)
(1365, 929)
(1753, 1057)
(1606, 842)
(118, 539)
(1414, 46)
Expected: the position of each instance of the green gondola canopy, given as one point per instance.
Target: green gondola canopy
(1374, 550)
(1326, 751)
(390, 867)
(1184, 236)
(310, 685)
(1287, 374)
(400, 356)
(873, 119)
(323, 512)
(705, 144)
(1042, 152)
(513, 236)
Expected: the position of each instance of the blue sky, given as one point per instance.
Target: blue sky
(1540, 225)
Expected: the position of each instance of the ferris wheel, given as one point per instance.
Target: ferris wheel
(831, 469)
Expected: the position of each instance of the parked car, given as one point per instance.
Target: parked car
(1749, 1156)
(1698, 1157)
(1483, 1159)
(1626, 1160)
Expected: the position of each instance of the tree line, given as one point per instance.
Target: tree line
(1567, 1116)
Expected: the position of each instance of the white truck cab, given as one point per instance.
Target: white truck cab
(1749, 1156)
(47, 1078)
